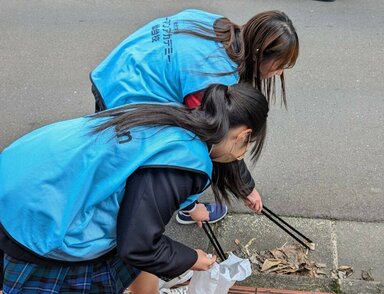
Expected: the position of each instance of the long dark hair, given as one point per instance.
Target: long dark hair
(267, 36)
(223, 107)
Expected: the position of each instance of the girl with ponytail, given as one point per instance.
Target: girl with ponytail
(98, 191)
(175, 58)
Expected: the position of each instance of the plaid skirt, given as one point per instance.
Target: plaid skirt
(111, 276)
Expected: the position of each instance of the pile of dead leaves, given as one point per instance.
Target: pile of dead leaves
(289, 259)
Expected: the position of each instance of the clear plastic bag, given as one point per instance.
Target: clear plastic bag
(221, 277)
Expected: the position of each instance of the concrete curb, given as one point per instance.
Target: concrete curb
(302, 283)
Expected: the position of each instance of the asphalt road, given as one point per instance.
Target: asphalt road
(324, 156)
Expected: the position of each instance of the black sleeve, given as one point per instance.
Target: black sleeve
(152, 196)
(246, 176)
(190, 206)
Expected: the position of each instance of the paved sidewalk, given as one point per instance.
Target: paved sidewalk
(273, 291)
(355, 244)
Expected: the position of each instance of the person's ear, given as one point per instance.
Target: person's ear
(244, 135)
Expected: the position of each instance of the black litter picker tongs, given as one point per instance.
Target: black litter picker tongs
(215, 243)
(275, 219)
(286, 227)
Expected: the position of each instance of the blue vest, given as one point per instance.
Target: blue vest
(156, 65)
(61, 187)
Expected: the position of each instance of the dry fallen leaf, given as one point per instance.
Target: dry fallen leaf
(269, 263)
(367, 275)
(277, 253)
(344, 271)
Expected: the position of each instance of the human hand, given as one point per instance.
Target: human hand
(254, 201)
(204, 261)
(200, 214)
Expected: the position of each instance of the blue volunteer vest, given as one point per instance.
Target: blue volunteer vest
(156, 65)
(61, 187)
